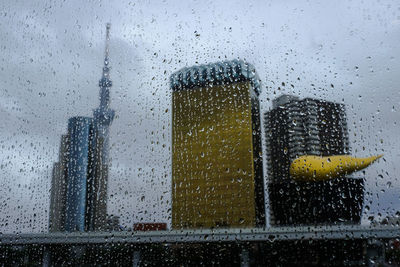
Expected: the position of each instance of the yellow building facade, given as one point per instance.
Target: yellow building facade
(216, 147)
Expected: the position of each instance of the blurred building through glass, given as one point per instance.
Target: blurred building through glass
(295, 127)
(217, 176)
(59, 188)
(79, 184)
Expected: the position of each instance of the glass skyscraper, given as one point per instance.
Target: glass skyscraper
(80, 130)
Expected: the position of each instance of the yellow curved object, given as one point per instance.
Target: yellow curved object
(317, 168)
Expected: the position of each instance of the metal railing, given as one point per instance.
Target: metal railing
(336, 232)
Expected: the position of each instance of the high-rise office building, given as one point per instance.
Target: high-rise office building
(96, 213)
(59, 189)
(80, 131)
(83, 205)
(217, 175)
(295, 127)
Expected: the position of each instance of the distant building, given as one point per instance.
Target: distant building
(295, 127)
(149, 227)
(217, 175)
(79, 183)
(96, 212)
(59, 189)
(393, 220)
(113, 223)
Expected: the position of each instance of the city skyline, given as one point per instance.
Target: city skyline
(33, 101)
(218, 98)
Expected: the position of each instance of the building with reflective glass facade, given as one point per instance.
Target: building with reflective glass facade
(82, 172)
(80, 131)
(217, 176)
(296, 127)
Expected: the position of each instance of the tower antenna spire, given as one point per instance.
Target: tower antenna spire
(106, 68)
(104, 115)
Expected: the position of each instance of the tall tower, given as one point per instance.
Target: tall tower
(217, 176)
(79, 186)
(96, 213)
(103, 115)
(296, 127)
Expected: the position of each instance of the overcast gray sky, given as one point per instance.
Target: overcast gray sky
(51, 59)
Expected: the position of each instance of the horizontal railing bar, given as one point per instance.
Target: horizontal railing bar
(336, 232)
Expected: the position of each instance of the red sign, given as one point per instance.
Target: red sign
(149, 226)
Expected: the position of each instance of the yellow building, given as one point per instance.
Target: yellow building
(217, 177)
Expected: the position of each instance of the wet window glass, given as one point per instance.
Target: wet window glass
(199, 133)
